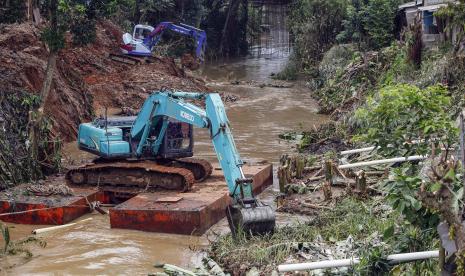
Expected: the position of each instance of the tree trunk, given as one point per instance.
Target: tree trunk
(233, 5)
(47, 86)
(29, 10)
(37, 118)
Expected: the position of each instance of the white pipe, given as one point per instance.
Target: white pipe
(53, 228)
(415, 256)
(346, 152)
(317, 265)
(393, 259)
(373, 148)
(383, 161)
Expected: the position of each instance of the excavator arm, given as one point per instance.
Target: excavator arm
(199, 36)
(246, 213)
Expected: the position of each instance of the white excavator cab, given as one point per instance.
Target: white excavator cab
(141, 32)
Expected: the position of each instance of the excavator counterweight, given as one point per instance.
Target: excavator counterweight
(153, 151)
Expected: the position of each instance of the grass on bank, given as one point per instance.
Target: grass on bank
(364, 220)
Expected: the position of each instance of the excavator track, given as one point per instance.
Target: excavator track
(146, 175)
(201, 168)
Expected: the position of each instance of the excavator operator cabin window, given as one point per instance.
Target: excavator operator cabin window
(178, 135)
(141, 33)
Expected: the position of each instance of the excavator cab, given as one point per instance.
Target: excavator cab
(178, 141)
(142, 31)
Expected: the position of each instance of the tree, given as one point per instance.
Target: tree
(369, 23)
(12, 11)
(454, 15)
(401, 114)
(314, 25)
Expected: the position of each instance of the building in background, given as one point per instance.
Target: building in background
(423, 11)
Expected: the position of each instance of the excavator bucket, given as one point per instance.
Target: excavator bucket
(258, 219)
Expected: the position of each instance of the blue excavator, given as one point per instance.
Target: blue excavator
(154, 150)
(145, 38)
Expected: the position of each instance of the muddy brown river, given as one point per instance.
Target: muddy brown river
(257, 119)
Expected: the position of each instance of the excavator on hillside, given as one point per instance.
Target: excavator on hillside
(144, 39)
(154, 150)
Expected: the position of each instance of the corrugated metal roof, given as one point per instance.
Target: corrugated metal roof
(407, 5)
(432, 7)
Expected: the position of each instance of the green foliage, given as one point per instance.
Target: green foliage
(16, 164)
(79, 17)
(83, 31)
(213, 21)
(54, 39)
(314, 25)
(290, 72)
(17, 247)
(398, 69)
(12, 11)
(401, 114)
(363, 221)
(348, 77)
(369, 23)
(313, 140)
(401, 193)
(454, 15)
(373, 261)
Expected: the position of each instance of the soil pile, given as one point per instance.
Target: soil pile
(23, 61)
(86, 80)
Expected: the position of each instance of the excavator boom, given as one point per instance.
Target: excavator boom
(246, 213)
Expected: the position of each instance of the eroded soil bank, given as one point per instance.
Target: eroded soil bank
(86, 80)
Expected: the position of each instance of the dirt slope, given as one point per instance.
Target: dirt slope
(86, 80)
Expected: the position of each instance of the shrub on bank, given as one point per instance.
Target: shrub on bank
(17, 164)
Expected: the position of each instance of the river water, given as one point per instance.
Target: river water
(257, 119)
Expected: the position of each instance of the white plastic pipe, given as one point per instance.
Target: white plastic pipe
(393, 259)
(415, 256)
(346, 152)
(383, 161)
(53, 228)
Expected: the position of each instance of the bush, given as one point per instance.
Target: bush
(16, 164)
(336, 60)
(403, 113)
(369, 23)
(290, 71)
(83, 31)
(12, 11)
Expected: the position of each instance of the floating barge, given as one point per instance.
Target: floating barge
(193, 212)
